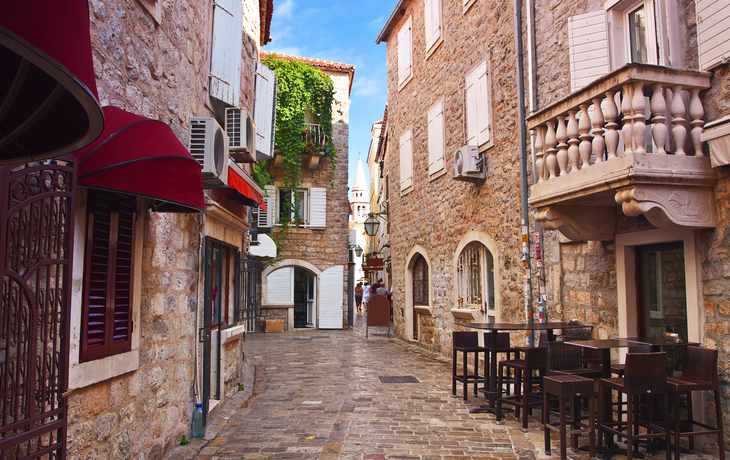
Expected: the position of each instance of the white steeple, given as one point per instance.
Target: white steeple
(360, 199)
(360, 184)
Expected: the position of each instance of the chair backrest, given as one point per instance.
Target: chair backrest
(563, 357)
(592, 355)
(542, 339)
(463, 339)
(700, 364)
(645, 373)
(640, 349)
(536, 358)
(502, 340)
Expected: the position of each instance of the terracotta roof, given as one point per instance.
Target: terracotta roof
(266, 11)
(321, 63)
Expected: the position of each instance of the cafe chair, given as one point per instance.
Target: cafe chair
(503, 346)
(699, 373)
(620, 368)
(645, 374)
(563, 358)
(466, 343)
(523, 398)
(569, 389)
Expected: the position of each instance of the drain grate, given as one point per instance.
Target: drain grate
(398, 379)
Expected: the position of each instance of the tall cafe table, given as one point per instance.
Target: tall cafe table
(495, 328)
(657, 343)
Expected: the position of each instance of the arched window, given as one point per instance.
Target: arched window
(420, 281)
(475, 278)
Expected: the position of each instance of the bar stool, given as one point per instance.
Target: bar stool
(466, 342)
(535, 360)
(620, 368)
(646, 374)
(569, 388)
(699, 373)
(503, 346)
(567, 359)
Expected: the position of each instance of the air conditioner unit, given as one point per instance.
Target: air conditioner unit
(209, 145)
(241, 131)
(469, 164)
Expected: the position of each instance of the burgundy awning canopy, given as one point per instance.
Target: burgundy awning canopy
(143, 157)
(48, 98)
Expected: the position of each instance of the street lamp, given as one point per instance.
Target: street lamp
(358, 251)
(371, 223)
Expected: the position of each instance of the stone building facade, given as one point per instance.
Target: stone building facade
(306, 286)
(148, 57)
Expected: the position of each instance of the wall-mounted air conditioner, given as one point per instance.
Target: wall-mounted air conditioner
(241, 131)
(469, 164)
(209, 145)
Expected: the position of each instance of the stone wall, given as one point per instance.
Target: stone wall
(438, 214)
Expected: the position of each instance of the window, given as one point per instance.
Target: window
(436, 140)
(264, 112)
(405, 67)
(225, 60)
(432, 13)
(712, 32)
(475, 278)
(478, 105)
(293, 206)
(222, 283)
(420, 281)
(406, 161)
(107, 316)
(305, 207)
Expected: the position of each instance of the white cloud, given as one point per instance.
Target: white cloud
(285, 10)
(290, 50)
(378, 21)
(365, 86)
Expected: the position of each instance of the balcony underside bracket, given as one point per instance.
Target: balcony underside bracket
(667, 206)
(580, 223)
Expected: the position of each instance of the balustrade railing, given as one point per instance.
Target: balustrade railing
(612, 116)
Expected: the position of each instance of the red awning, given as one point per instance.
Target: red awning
(47, 86)
(143, 157)
(243, 188)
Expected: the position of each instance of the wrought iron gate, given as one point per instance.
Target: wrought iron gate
(246, 305)
(37, 203)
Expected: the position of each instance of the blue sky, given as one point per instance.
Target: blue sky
(341, 31)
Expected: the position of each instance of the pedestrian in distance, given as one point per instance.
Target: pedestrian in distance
(358, 296)
(365, 295)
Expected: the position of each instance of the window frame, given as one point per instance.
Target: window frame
(422, 264)
(484, 109)
(433, 38)
(405, 75)
(485, 279)
(406, 186)
(302, 203)
(435, 171)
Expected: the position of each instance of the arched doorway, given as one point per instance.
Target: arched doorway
(305, 292)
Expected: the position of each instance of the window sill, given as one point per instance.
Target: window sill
(232, 333)
(405, 82)
(437, 174)
(466, 313)
(423, 310)
(468, 5)
(434, 47)
(84, 374)
(406, 190)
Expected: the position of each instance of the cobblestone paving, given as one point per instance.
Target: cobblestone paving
(317, 395)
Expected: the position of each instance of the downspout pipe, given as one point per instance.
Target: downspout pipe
(523, 165)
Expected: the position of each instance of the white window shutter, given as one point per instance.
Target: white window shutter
(432, 16)
(265, 111)
(279, 286)
(588, 43)
(225, 61)
(483, 102)
(331, 298)
(436, 139)
(713, 32)
(404, 52)
(471, 109)
(406, 160)
(318, 207)
(266, 218)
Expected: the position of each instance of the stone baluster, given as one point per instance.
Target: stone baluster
(562, 137)
(551, 159)
(597, 120)
(638, 107)
(573, 154)
(611, 114)
(627, 128)
(539, 153)
(677, 110)
(584, 126)
(659, 129)
(696, 112)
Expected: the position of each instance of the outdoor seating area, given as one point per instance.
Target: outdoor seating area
(637, 408)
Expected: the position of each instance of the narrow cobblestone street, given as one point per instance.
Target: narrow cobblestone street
(317, 395)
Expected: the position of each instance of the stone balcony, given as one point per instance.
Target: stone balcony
(629, 139)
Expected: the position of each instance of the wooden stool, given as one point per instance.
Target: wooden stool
(466, 342)
(524, 399)
(569, 388)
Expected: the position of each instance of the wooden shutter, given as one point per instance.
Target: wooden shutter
(331, 298)
(318, 207)
(265, 111)
(713, 32)
(266, 218)
(404, 52)
(109, 271)
(436, 138)
(225, 61)
(470, 100)
(588, 43)
(279, 286)
(432, 16)
(406, 160)
(483, 105)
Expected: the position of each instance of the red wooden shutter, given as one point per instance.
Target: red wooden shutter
(107, 307)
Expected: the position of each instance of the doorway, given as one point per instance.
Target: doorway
(304, 298)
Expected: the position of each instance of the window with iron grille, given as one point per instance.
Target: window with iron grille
(420, 281)
(108, 274)
(475, 278)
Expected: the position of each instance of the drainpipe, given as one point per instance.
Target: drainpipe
(523, 166)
